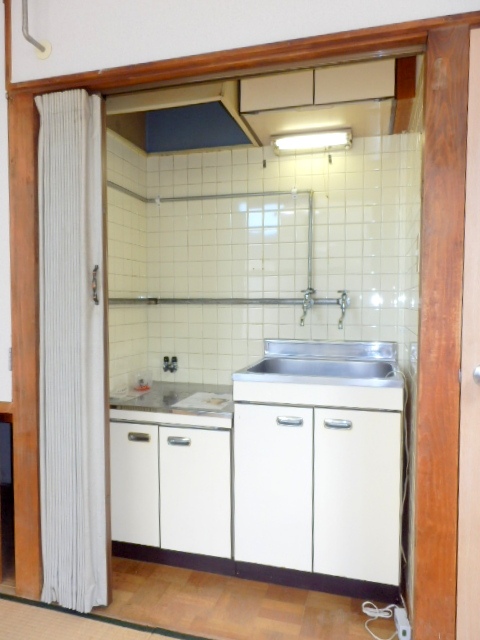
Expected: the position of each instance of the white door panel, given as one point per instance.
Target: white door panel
(134, 483)
(273, 485)
(357, 494)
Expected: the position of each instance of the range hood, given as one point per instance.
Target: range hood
(181, 118)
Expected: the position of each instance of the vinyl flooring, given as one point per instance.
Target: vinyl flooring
(226, 608)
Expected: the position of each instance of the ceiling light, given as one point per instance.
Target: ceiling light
(328, 140)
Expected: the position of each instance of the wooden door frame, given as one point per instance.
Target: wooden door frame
(436, 461)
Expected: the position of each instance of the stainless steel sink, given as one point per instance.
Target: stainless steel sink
(322, 368)
(344, 364)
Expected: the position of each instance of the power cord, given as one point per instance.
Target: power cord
(374, 613)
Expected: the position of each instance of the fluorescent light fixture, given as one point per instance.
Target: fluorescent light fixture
(309, 141)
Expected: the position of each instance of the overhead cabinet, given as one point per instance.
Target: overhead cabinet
(351, 82)
(276, 91)
(327, 85)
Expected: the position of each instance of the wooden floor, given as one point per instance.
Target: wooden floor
(226, 608)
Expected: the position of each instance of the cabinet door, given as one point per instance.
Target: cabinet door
(357, 494)
(195, 490)
(134, 483)
(273, 485)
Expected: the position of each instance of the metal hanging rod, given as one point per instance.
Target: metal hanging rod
(221, 196)
(26, 35)
(220, 301)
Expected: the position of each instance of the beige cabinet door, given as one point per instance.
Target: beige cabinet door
(134, 483)
(195, 490)
(357, 494)
(273, 485)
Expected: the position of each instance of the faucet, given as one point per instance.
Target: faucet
(343, 302)
(170, 366)
(307, 303)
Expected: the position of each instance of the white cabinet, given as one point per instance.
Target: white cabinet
(195, 490)
(357, 494)
(273, 485)
(134, 483)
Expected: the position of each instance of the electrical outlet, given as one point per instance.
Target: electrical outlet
(402, 624)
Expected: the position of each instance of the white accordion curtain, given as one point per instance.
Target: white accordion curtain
(72, 368)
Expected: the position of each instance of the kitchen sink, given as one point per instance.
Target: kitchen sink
(323, 368)
(345, 364)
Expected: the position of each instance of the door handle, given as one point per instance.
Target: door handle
(289, 421)
(337, 424)
(179, 442)
(94, 285)
(476, 375)
(139, 437)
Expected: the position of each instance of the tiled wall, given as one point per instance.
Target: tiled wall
(366, 214)
(366, 222)
(127, 259)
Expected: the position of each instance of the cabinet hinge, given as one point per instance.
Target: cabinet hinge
(10, 359)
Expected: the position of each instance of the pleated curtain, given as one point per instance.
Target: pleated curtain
(72, 366)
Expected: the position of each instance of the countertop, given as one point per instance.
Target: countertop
(165, 396)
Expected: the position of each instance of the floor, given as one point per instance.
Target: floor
(226, 608)
(21, 621)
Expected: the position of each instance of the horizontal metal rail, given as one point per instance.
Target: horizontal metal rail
(220, 301)
(220, 196)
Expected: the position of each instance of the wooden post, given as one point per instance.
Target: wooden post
(436, 460)
(23, 128)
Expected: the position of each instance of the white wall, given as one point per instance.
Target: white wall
(88, 34)
(5, 321)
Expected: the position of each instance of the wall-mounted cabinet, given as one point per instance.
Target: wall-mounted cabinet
(276, 91)
(327, 85)
(352, 82)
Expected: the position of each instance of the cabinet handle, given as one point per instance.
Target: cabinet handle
(180, 442)
(289, 421)
(337, 424)
(139, 437)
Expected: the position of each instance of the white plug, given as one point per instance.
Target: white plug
(402, 624)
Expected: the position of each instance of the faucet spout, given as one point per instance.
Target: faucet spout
(307, 304)
(343, 301)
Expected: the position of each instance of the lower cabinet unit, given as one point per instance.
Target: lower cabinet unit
(195, 490)
(134, 483)
(358, 494)
(273, 485)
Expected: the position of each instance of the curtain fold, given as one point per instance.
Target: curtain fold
(72, 367)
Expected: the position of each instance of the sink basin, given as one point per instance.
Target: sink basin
(361, 375)
(322, 368)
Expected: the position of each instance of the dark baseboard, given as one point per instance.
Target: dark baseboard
(262, 573)
(318, 582)
(210, 564)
